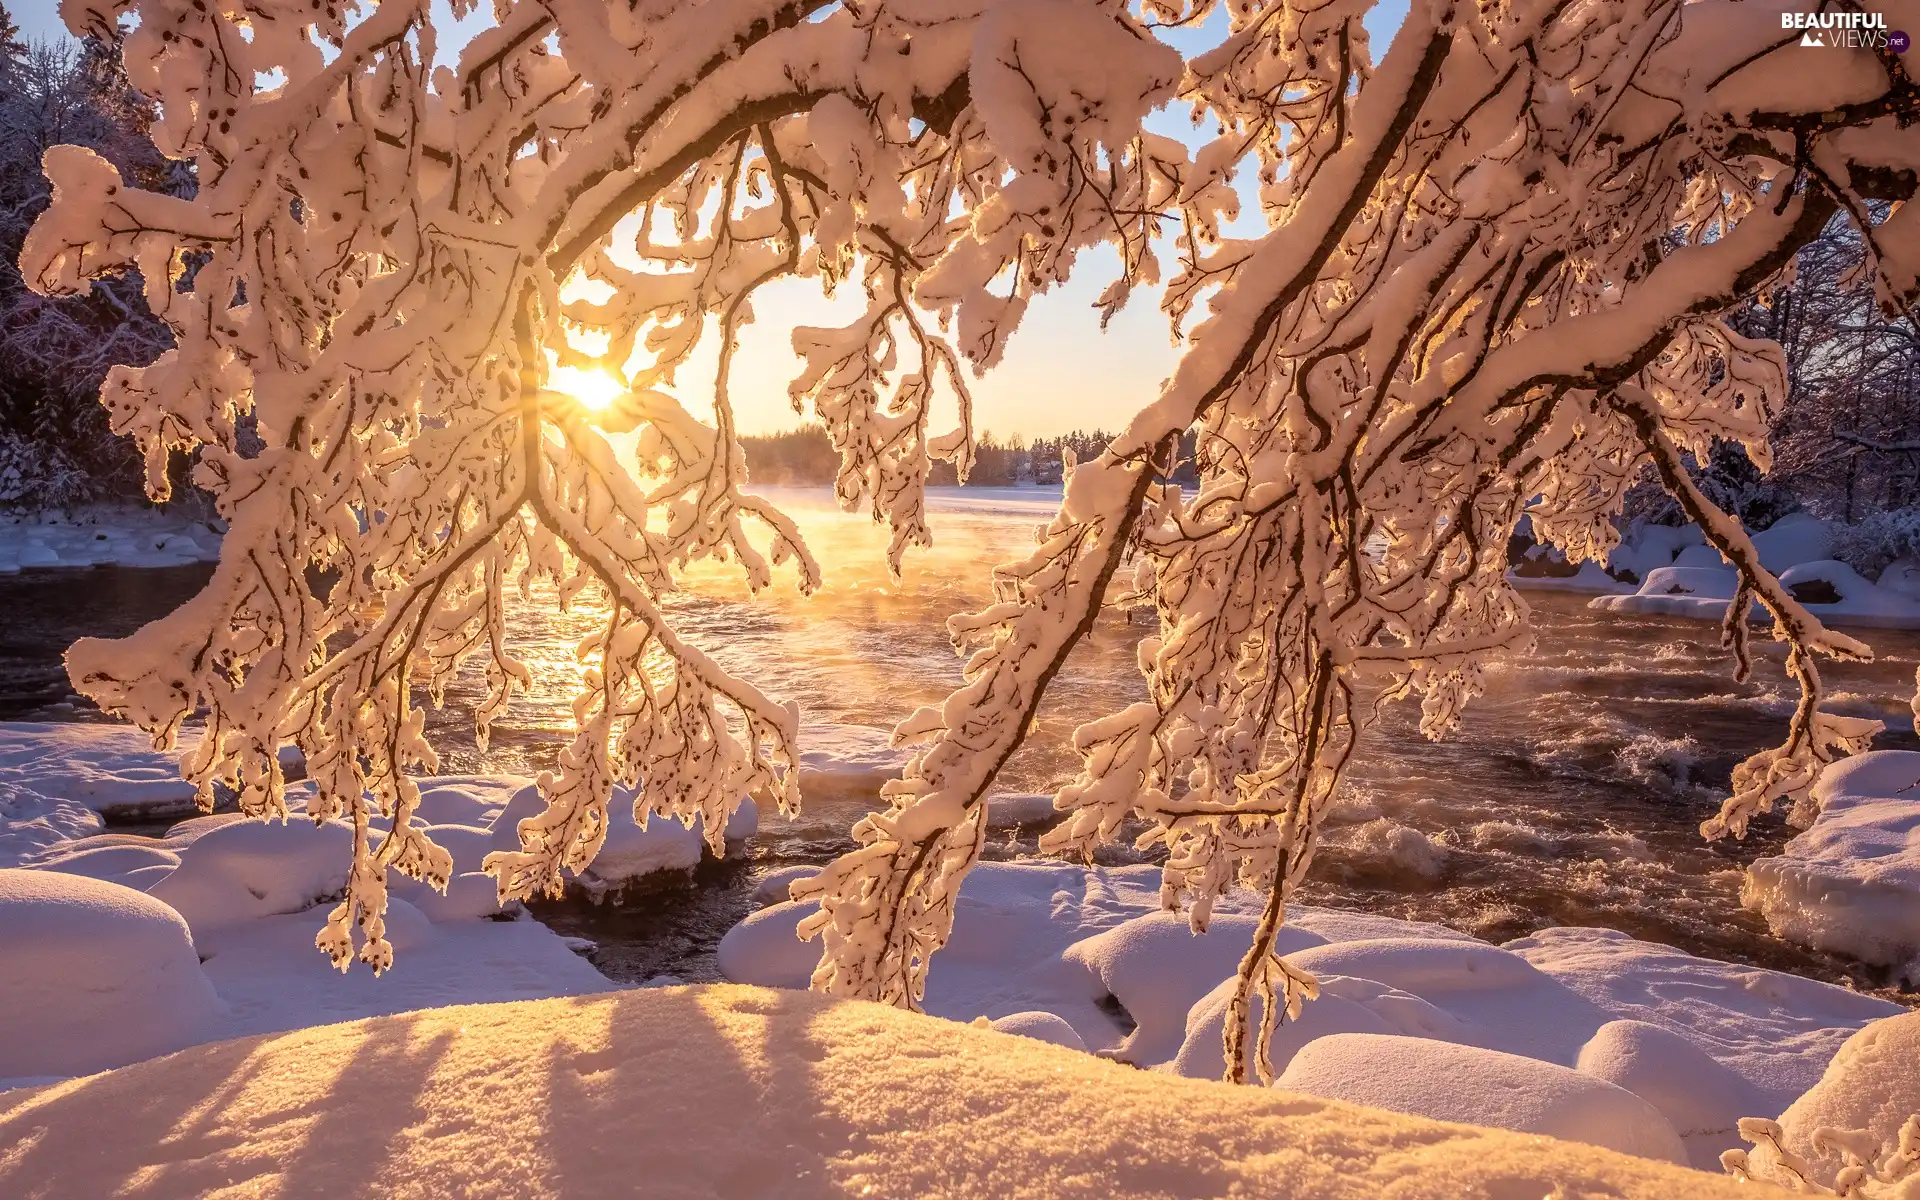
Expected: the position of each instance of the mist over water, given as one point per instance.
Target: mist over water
(1571, 795)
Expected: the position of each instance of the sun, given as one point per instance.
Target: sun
(593, 390)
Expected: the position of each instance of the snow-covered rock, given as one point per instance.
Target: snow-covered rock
(1474, 1086)
(1345, 1005)
(1158, 969)
(112, 770)
(1007, 810)
(847, 758)
(1872, 1086)
(1042, 1027)
(96, 975)
(631, 851)
(1795, 538)
(1774, 1030)
(1851, 883)
(1701, 1099)
(731, 1091)
(105, 535)
(239, 871)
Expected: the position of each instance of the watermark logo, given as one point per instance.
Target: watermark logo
(1846, 31)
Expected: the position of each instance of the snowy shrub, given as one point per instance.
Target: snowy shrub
(1870, 545)
(1487, 287)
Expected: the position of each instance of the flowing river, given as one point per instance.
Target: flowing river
(1571, 795)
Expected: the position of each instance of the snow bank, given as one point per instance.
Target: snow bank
(1696, 582)
(1775, 1031)
(244, 900)
(1681, 576)
(631, 852)
(1851, 883)
(1091, 947)
(105, 536)
(731, 1091)
(1872, 1085)
(1480, 1087)
(95, 975)
(31, 823)
(112, 770)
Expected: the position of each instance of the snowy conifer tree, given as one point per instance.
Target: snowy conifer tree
(1488, 287)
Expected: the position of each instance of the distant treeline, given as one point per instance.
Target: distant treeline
(804, 457)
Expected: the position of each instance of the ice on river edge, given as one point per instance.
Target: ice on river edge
(223, 911)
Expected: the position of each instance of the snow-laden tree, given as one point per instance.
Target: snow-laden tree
(1487, 287)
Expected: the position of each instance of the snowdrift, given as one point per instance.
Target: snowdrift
(727, 1091)
(1851, 883)
(105, 535)
(1669, 571)
(1700, 1043)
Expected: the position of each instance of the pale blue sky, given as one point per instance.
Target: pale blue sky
(1060, 371)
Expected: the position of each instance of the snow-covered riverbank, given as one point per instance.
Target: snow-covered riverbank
(106, 535)
(728, 1091)
(1671, 571)
(143, 945)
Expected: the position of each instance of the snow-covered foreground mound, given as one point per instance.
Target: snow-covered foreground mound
(105, 536)
(1851, 883)
(1668, 571)
(735, 1092)
(1651, 1050)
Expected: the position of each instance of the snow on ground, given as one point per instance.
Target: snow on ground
(1871, 1086)
(1679, 575)
(105, 536)
(110, 769)
(1851, 883)
(733, 1091)
(1051, 952)
(1091, 947)
(96, 975)
(1417, 1076)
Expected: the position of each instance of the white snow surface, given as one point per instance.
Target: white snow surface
(1872, 1084)
(208, 932)
(1681, 576)
(733, 1091)
(96, 975)
(1424, 1078)
(109, 769)
(1851, 882)
(105, 535)
(1082, 943)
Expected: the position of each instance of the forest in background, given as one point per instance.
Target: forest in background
(1847, 443)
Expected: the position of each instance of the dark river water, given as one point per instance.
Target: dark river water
(1571, 796)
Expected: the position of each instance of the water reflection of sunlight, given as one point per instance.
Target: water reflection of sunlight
(864, 649)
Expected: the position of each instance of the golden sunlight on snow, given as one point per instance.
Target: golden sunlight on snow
(726, 1091)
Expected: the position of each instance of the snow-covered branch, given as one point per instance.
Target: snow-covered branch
(1488, 288)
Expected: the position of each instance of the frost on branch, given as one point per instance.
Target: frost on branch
(1489, 289)
(1868, 1170)
(387, 262)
